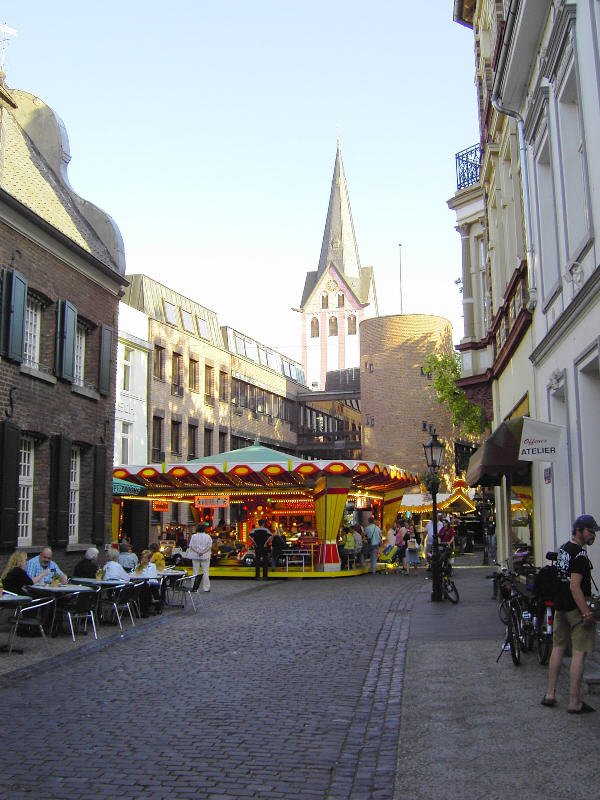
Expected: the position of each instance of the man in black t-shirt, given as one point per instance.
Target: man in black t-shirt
(261, 539)
(573, 621)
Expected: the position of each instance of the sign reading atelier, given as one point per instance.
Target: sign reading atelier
(539, 440)
(211, 501)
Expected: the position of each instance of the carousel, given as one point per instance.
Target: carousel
(257, 482)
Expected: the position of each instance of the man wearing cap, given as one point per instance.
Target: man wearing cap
(573, 621)
(199, 550)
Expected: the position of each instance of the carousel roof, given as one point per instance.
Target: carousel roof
(255, 467)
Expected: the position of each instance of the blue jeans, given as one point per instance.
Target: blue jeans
(374, 554)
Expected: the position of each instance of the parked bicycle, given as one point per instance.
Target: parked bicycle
(449, 590)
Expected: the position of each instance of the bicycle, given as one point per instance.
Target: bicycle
(510, 612)
(449, 590)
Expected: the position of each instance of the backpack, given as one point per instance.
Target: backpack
(548, 583)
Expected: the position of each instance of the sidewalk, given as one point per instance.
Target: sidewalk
(475, 728)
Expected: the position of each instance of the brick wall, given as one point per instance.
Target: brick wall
(395, 396)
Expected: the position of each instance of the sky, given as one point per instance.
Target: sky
(208, 131)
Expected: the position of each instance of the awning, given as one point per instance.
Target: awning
(510, 449)
(121, 487)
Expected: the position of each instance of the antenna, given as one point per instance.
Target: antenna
(5, 36)
(400, 256)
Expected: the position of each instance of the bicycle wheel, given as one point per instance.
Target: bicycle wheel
(514, 641)
(504, 611)
(451, 592)
(544, 648)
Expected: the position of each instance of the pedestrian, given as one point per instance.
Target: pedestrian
(261, 538)
(390, 539)
(348, 551)
(412, 542)
(574, 624)
(199, 552)
(373, 537)
(358, 544)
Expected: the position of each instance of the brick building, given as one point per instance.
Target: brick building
(396, 396)
(62, 270)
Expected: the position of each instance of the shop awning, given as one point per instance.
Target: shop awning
(121, 487)
(511, 448)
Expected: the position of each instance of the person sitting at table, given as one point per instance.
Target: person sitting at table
(157, 557)
(113, 571)
(41, 569)
(87, 567)
(127, 558)
(14, 577)
(149, 592)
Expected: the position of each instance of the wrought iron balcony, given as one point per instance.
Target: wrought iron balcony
(468, 167)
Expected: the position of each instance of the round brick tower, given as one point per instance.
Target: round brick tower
(396, 397)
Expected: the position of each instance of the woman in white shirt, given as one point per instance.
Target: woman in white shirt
(113, 571)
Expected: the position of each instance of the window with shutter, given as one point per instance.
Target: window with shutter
(60, 479)
(66, 332)
(25, 504)
(14, 304)
(9, 485)
(99, 495)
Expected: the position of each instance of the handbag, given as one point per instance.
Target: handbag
(412, 544)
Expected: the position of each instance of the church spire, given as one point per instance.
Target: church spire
(339, 246)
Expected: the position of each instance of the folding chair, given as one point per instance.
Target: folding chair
(30, 617)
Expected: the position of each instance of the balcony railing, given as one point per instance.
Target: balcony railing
(468, 167)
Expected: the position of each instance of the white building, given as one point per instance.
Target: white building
(537, 74)
(131, 408)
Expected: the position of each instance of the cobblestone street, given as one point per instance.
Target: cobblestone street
(278, 690)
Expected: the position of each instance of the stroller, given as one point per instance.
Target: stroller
(391, 557)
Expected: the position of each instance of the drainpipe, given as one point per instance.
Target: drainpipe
(497, 103)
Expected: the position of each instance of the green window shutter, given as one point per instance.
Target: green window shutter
(60, 478)
(99, 495)
(14, 305)
(106, 346)
(9, 484)
(66, 330)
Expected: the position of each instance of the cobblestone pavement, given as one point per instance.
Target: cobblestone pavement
(272, 690)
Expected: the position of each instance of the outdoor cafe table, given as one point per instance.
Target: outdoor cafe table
(95, 582)
(8, 600)
(61, 590)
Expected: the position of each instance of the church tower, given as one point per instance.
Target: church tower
(338, 295)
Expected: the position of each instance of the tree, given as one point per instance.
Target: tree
(444, 369)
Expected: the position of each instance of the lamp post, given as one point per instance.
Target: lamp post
(434, 451)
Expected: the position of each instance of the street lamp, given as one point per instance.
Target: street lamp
(434, 451)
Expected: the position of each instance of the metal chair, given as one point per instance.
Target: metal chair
(80, 607)
(185, 587)
(119, 602)
(30, 617)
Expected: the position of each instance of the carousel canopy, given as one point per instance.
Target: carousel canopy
(256, 467)
(460, 500)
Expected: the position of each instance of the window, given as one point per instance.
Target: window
(188, 321)
(208, 441)
(127, 359)
(126, 428)
(79, 361)
(341, 300)
(314, 328)
(333, 326)
(192, 441)
(171, 315)
(158, 363)
(25, 507)
(177, 375)
(209, 381)
(31, 341)
(240, 345)
(324, 301)
(352, 325)
(262, 356)
(203, 328)
(260, 401)
(175, 438)
(223, 387)
(194, 375)
(74, 480)
(157, 438)
(222, 441)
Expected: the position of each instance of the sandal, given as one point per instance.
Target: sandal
(584, 709)
(548, 701)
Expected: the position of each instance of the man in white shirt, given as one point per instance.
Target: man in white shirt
(429, 536)
(198, 551)
(373, 536)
